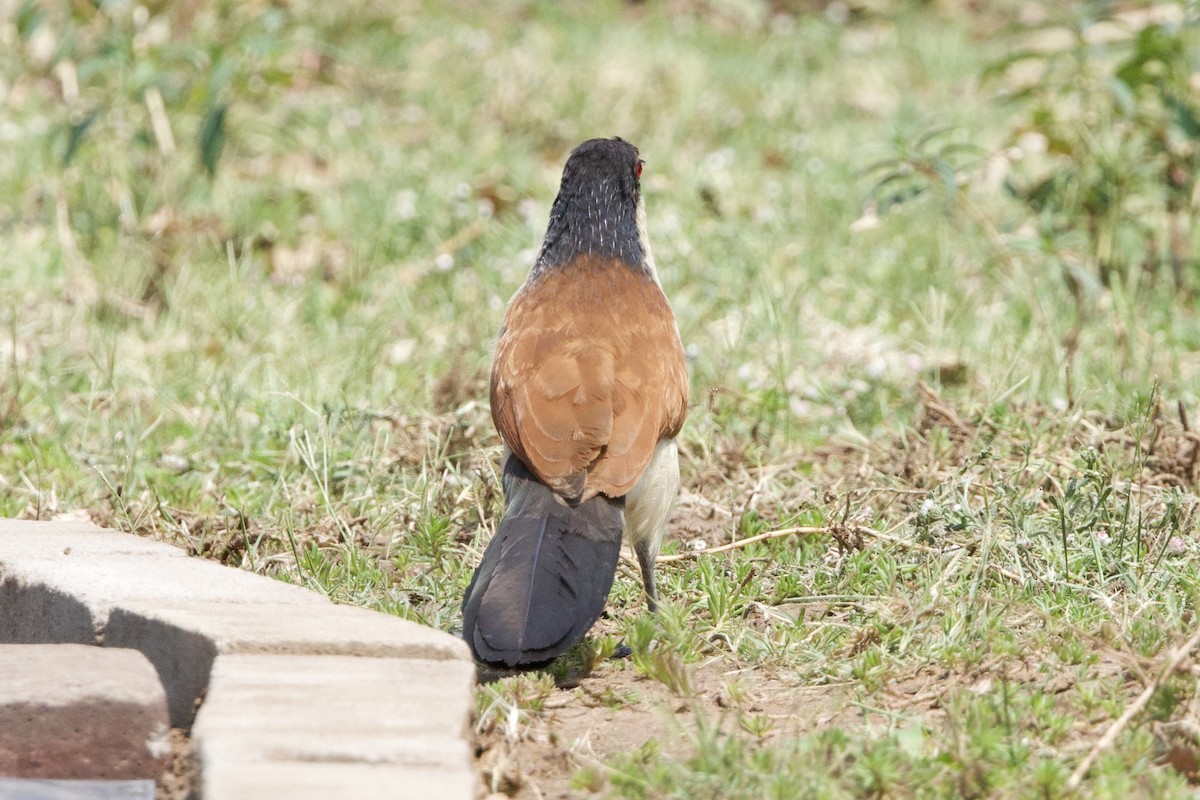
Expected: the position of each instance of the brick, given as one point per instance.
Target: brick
(366, 725)
(75, 711)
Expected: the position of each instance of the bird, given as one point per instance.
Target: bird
(588, 391)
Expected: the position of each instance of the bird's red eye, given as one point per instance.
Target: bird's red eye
(638, 169)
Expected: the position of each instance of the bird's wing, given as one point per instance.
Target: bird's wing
(589, 374)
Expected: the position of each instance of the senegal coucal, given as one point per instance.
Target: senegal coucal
(589, 388)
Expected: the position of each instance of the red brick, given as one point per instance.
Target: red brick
(70, 711)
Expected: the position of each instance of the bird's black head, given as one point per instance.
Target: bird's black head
(597, 208)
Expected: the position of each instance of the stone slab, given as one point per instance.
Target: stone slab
(22, 789)
(182, 639)
(378, 723)
(74, 711)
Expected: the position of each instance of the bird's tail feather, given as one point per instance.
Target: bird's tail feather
(545, 575)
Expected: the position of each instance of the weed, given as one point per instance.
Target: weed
(657, 657)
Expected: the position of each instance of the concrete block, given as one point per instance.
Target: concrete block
(59, 581)
(74, 582)
(382, 723)
(37, 539)
(182, 639)
(292, 781)
(303, 698)
(28, 789)
(300, 781)
(34, 613)
(74, 711)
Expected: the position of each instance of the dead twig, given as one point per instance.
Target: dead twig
(832, 530)
(762, 537)
(1174, 659)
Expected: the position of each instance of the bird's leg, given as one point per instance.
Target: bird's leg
(647, 552)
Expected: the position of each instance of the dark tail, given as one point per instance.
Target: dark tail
(545, 575)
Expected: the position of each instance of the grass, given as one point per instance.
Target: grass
(281, 365)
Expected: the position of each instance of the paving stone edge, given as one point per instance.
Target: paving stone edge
(295, 694)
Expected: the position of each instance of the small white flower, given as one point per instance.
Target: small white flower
(1102, 537)
(927, 507)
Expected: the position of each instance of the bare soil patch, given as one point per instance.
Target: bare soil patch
(616, 711)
